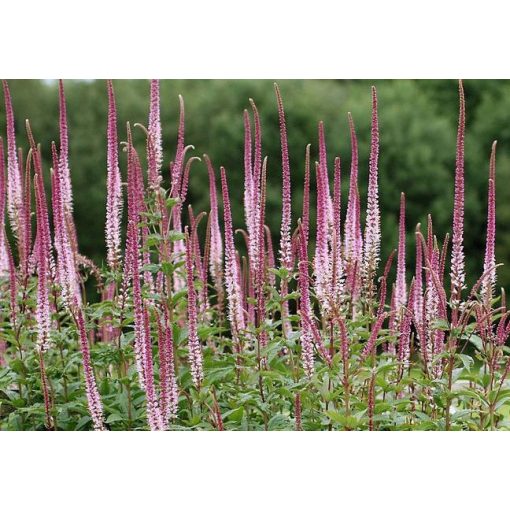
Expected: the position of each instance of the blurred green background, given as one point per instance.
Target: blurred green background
(418, 122)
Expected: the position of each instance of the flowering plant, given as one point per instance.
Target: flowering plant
(201, 326)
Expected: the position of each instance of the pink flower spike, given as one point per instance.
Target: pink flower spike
(176, 169)
(142, 339)
(43, 257)
(232, 273)
(66, 266)
(305, 307)
(169, 393)
(337, 201)
(323, 167)
(113, 185)
(155, 137)
(306, 195)
(67, 194)
(400, 289)
(337, 273)
(321, 263)
(43, 314)
(373, 217)
(14, 184)
(257, 162)
(248, 171)
(93, 397)
(418, 287)
(260, 275)
(404, 349)
(216, 243)
(285, 242)
(253, 223)
(139, 337)
(27, 214)
(194, 348)
(351, 220)
(457, 273)
(4, 258)
(489, 264)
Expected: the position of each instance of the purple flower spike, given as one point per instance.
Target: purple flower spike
(15, 202)
(143, 343)
(306, 196)
(351, 220)
(155, 137)
(373, 218)
(43, 256)
(457, 273)
(323, 167)
(337, 273)
(305, 307)
(285, 243)
(489, 264)
(67, 194)
(93, 397)
(4, 258)
(232, 274)
(216, 243)
(169, 391)
(43, 247)
(248, 171)
(114, 185)
(194, 348)
(322, 264)
(400, 289)
(404, 350)
(66, 265)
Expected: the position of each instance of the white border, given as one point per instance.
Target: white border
(264, 39)
(266, 470)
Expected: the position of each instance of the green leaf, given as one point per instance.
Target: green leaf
(476, 341)
(114, 417)
(234, 415)
(152, 268)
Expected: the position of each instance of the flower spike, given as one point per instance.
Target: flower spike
(457, 273)
(489, 264)
(373, 217)
(113, 185)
